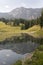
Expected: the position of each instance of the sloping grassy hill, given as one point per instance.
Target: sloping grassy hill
(36, 31)
(7, 31)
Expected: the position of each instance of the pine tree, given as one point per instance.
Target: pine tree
(41, 19)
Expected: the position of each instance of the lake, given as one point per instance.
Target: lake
(14, 49)
(8, 57)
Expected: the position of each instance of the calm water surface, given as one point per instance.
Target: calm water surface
(8, 57)
(14, 49)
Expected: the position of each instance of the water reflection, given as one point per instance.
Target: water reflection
(20, 44)
(8, 57)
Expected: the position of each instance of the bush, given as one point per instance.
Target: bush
(19, 62)
(40, 48)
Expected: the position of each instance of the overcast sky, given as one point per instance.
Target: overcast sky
(8, 5)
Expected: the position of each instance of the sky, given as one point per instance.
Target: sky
(8, 5)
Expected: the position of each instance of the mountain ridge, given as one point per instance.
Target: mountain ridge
(22, 12)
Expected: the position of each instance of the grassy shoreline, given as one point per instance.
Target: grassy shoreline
(7, 31)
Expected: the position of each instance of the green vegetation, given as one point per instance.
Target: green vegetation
(34, 27)
(35, 31)
(9, 28)
(40, 48)
(41, 19)
(7, 31)
(18, 62)
(37, 58)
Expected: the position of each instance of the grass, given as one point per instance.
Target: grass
(36, 59)
(36, 31)
(7, 31)
(19, 62)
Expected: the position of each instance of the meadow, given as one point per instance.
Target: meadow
(7, 31)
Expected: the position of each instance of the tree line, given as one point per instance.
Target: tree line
(25, 24)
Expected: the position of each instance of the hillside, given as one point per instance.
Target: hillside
(36, 31)
(6, 15)
(8, 31)
(24, 13)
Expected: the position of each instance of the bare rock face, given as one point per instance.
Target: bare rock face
(24, 13)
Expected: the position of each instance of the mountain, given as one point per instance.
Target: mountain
(6, 15)
(25, 13)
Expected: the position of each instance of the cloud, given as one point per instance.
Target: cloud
(23, 4)
(6, 6)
